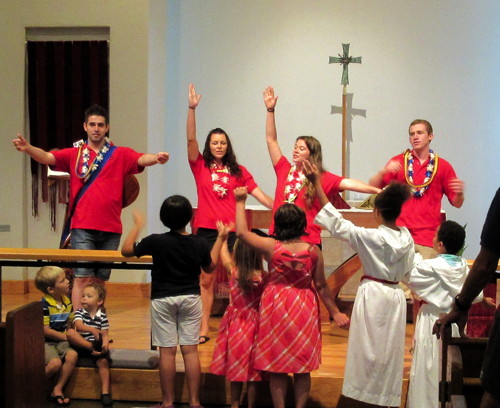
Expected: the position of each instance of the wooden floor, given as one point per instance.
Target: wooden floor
(130, 328)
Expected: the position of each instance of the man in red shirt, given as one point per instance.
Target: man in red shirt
(98, 168)
(430, 177)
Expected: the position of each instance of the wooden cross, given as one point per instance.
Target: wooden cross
(345, 60)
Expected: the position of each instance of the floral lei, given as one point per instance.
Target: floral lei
(83, 166)
(294, 183)
(220, 179)
(419, 190)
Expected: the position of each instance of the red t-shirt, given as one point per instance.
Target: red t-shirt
(210, 207)
(100, 206)
(422, 215)
(330, 183)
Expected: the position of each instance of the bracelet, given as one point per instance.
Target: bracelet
(460, 306)
(270, 109)
(190, 107)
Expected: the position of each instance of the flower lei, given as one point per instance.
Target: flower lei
(419, 190)
(294, 183)
(83, 166)
(220, 181)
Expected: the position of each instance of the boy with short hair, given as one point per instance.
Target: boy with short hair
(436, 281)
(60, 358)
(90, 335)
(175, 290)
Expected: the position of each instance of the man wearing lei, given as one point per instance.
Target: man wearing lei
(96, 217)
(430, 177)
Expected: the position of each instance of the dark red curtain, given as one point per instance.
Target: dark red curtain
(64, 79)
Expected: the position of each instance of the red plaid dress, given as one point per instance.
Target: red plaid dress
(289, 336)
(234, 351)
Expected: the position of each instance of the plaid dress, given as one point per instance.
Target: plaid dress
(234, 351)
(289, 336)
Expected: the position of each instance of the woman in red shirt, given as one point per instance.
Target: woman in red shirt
(216, 173)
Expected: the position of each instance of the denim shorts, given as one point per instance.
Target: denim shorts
(93, 239)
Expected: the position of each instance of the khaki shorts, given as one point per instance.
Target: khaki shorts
(176, 320)
(56, 350)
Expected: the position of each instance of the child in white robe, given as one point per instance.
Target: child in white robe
(375, 353)
(436, 282)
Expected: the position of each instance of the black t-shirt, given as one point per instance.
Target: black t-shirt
(490, 237)
(177, 260)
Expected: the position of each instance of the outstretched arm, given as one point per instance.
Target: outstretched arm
(133, 235)
(264, 245)
(37, 154)
(149, 159)
(378, 179)
(192, 143)
(271, 135)
(262, 198)
(359, 186)
(325, 294)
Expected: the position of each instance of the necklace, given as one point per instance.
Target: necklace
(220, 179)
(294, 183)
(418, 190)
(83, 166)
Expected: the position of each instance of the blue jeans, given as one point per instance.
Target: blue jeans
(93, 239)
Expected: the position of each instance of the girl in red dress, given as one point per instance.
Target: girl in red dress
(234, 352)
(289, 336)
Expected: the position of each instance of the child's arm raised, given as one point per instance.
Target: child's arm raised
(312, 173)
(325, 294)
(225, 257)
(263, 245)
(222, 233)
(128, 244)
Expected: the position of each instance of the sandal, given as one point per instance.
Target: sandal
(59, 400)
(203, 339)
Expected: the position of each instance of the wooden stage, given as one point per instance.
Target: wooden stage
(130, 325)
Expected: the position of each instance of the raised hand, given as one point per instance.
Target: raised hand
(20, 143)
(241, 193)
(310, 171)
(269, 98)
(223, 230)
(194, 99)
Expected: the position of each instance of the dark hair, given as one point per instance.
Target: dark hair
(176, 212)
(96, 110)
(391, 199)
(248, 261)
(452, 235)
(427, 124)
(229, 158)
(289, 222)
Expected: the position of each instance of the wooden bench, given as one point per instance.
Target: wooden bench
(461, 362)
(22, 377)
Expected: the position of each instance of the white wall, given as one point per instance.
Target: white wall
(427, 59)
